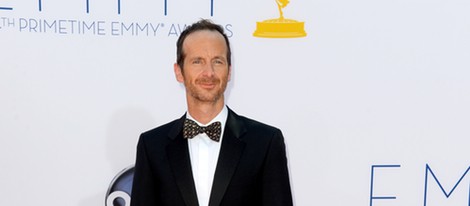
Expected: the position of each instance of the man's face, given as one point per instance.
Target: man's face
(206, 71)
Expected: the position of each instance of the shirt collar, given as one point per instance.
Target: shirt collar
(221, 117)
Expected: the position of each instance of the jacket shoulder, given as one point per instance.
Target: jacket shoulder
(258, 128)
(162, 131)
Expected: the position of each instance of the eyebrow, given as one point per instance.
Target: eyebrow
(220, 57)
(200, 57)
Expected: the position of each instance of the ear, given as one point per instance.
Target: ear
(229, 73)
(178, 73)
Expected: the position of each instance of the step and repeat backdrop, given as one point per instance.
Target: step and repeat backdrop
(372, 95)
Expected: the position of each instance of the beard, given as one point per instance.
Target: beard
(207, 95)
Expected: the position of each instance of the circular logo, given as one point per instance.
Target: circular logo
(119, 191)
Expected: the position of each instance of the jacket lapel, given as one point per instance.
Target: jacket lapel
(230, 152)
(178, 157)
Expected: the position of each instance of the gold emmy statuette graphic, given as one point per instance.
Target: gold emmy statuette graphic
(280, 27)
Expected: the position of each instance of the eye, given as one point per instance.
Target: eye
(196, 61)
(219, 62)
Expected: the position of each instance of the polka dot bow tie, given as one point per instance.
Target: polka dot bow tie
(191, 129)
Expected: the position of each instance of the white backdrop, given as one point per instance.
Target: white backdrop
(373, 83)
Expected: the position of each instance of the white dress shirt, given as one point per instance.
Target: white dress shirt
(204, 153)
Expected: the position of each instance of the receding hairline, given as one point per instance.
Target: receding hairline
(214, 33)
(201, 25)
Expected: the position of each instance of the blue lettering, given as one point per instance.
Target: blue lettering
(88, 27)
(119, 7)
(143, 29)
(429, 170)
(176, 29)
(33, 24)
(129, 28)
(50, 26)
(7, 22)
(62, 28)
(228, 30)
(101, 30)
(72, 23)
(173, 30)
(372, 197)
(155, 29)
(23, 24)
(114, 31)
(212, 7)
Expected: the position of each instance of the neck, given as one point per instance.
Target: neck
(204, 112)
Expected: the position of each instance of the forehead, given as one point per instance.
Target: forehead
(205, 41)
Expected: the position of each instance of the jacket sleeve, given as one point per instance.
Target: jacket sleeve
(275, 180)
(143, 187)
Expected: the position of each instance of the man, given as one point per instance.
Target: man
(181, 163)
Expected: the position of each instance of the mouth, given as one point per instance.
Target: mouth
(207, 83)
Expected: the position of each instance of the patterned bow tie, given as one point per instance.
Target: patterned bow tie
(191, 129)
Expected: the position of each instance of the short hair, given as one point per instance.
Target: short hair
(203, 24)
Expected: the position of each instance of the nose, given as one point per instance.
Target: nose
(209, 70)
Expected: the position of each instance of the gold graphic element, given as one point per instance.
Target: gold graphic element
(280, 27)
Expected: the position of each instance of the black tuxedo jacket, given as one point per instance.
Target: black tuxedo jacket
(251, 168)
